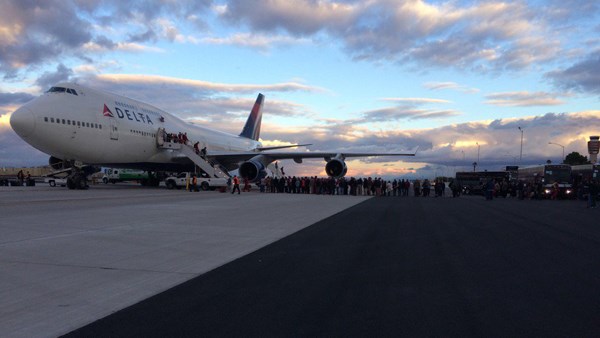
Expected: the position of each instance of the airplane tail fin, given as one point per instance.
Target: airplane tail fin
(252, 128)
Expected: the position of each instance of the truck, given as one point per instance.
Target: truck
(546, 176)
(473, 182)
(204, 182)
(121, 175)
(581, 176)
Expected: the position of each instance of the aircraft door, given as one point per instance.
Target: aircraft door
(160, 137)
(114, 131)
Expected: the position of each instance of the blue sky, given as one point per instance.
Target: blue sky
(452, 77)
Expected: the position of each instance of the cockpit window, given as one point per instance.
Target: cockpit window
(62, 90)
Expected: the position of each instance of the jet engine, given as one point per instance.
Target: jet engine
(336, 167)
(253, 169)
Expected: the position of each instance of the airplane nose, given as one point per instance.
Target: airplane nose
(22, 122)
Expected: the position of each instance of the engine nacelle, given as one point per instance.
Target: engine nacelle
(56, 163)
(336, 168)
(252, 170)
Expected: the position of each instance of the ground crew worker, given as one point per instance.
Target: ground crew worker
(194, 185)
(236, 184)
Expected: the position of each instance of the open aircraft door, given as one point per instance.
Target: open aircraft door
(160, 137)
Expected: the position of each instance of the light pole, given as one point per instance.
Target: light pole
(474, 166)
(521, 153)
(563, 149)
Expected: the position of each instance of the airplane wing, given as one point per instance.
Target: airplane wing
(251, 163)
(296, 156)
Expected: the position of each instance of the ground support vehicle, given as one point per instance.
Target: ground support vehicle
(183, 180)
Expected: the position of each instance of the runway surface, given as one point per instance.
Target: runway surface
(68, 258)
(409, 267)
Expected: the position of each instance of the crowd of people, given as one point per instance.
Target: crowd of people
(345, 186)
(419, 188)
(176, 137)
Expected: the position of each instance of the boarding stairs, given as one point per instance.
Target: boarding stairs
(212, 169)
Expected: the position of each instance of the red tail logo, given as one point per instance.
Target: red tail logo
(107, 112)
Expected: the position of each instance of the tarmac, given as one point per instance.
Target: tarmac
(149, 262)
(70, 257)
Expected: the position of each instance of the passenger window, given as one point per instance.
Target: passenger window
(69, 122)
(63, 121)
(45, 119)
(52, 119)
(100, 126)
(87, 124)
(78, 123)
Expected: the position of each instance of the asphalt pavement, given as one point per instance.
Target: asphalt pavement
(391, 266)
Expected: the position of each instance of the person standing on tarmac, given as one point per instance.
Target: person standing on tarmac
(236, 184)
(194, 185)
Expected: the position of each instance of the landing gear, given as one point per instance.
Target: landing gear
(77, 180)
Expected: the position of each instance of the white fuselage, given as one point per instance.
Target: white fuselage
(101, 128)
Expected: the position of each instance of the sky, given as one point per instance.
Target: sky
(455, 78)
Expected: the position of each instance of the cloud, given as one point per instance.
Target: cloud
(257, 41)
(482, 36)
(46, 80)
(450, 86)
(409, 108)
(583, 76)
(201, 101)
(451, 146)
(37, 32)
(203, 86)
(405, 112)
(414, 100)
(523, 99)
(14, 98)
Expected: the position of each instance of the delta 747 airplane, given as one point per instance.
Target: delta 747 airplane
(82, 128)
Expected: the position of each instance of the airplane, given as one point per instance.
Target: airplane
(82, 128)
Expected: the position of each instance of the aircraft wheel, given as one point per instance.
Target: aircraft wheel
(81, 182)
(70, 183)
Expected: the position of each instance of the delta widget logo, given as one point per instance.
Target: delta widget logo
(107, 112)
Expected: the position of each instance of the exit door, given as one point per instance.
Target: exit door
(114, 131)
